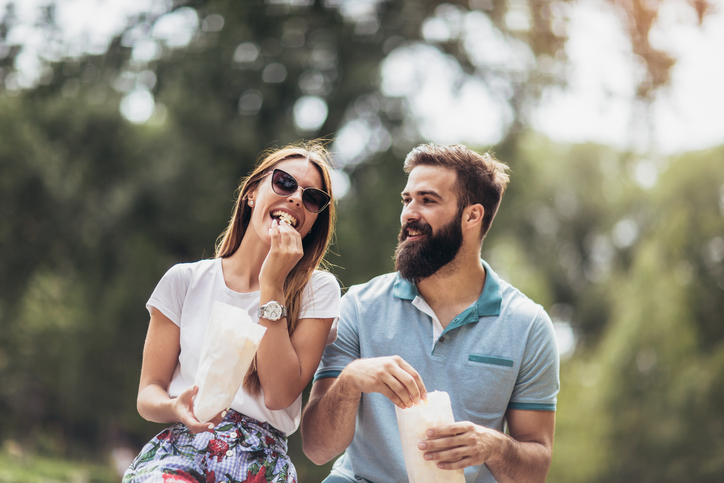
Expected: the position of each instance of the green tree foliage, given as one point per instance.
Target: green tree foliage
(664, 348)
(645, 403)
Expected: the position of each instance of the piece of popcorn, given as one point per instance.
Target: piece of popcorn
(286, 219)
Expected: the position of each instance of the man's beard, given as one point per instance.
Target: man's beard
(423, 258)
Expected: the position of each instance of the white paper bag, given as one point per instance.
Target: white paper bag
(229, 347)
(413, 423)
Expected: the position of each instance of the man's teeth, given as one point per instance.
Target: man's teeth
(413, 233)
(285, 217)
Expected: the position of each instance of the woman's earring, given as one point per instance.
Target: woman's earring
(251, 202)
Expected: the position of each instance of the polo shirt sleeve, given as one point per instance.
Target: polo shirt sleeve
(345, 348)
(538, 380)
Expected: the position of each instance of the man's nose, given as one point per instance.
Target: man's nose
(409, 213)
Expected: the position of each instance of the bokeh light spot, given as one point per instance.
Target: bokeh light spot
(274, 73)
(138, 106)
(250, 102)
(310, 112)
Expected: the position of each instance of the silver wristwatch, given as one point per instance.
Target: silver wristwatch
(272, 310)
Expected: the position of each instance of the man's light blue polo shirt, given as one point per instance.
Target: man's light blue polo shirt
(498, 354)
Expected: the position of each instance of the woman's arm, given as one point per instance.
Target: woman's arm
(286, 365)
(160, 357)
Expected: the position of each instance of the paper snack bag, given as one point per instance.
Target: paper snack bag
(413, 422)
(229, 347)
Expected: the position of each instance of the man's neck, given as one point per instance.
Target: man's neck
(454, 287)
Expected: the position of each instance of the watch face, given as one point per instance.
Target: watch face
(274, 311)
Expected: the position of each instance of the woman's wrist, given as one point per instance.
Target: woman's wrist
(271, 291)
(158, 409)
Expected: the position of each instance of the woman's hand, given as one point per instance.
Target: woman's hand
(183, 407)
(285, 252)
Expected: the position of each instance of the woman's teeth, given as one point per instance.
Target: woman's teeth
(285, 217)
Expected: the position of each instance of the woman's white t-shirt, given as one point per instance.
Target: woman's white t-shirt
(186, 295)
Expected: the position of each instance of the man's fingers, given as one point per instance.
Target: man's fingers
(447, 452)
(456, 445)
(381, 379)
(441, 444)
(456, 465)
(449, 430)
(399, 382)
(389, 376)
(393, 396)
(411, 380)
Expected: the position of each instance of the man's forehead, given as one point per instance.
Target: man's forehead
(432, 179)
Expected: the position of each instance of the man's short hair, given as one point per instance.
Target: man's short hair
(480, 177)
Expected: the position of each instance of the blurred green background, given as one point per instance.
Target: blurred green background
(118, 161)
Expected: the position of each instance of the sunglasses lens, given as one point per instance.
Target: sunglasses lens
(283, 183)
(314, 200)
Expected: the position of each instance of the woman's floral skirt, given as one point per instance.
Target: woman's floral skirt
(240, 449)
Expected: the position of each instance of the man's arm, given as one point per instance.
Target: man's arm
(328, 422)
(525, 455)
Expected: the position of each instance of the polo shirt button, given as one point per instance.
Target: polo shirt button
(442, 339)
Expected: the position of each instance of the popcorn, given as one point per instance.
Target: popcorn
(285, 217)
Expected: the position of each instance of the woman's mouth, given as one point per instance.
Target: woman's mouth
(285, 217)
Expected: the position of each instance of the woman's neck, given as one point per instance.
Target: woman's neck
(241, 269)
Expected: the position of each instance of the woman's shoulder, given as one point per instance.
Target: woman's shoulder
(188, 269)
(323, 278)
(183, 273)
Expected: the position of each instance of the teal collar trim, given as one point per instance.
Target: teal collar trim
(488, 303)
(491, 298)
(404, 289)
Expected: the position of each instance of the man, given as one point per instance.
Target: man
(444, 321)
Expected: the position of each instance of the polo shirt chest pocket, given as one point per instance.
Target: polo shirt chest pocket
(486, 383)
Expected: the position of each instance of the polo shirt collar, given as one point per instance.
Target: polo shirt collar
(488, 304)
(404, 289)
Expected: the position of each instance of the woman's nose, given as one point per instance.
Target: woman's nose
(296, 197)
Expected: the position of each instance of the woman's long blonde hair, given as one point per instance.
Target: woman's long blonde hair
(315, 243)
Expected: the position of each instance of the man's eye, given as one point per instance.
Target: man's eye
(405, 201)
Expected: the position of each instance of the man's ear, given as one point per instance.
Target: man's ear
(473, 216)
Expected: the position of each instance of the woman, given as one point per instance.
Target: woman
(266, 263)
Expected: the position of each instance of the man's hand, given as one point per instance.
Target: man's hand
(524, 455)
(461, 444)
(390, 376)
(328, 422)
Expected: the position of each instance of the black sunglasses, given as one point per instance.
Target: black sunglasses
(313, 199)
